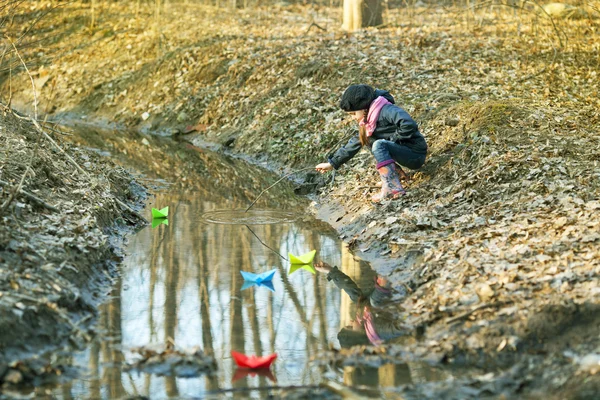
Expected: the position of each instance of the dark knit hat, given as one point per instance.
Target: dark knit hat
(349, 337)
(357, 97)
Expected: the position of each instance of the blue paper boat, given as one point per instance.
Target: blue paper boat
(258, 278)
(267, 284)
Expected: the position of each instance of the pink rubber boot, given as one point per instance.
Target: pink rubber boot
(391, 187)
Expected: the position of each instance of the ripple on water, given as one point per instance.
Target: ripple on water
(251, 217)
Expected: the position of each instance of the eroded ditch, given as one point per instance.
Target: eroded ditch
(180, 289)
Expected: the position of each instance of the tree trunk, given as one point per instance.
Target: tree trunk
(361, 14)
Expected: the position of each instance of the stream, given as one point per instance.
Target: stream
(180, 284)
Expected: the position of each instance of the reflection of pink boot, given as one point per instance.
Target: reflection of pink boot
(391, 187)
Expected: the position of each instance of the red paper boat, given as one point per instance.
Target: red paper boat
(244, 372)
(253, 362)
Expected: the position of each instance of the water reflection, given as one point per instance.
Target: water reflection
(369, 323)
(181, 283)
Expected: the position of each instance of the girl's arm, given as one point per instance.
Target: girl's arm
(345, 153)
(343, 281)
(405, 125)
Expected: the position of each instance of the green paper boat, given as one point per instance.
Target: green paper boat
(296, 267)
(302, 262)
(157, 221)
(303, 259)
(163, 213)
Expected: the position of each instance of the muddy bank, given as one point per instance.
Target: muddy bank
(65, 214)
(495, 249)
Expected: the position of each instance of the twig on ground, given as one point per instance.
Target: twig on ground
(16, 189)
(33, 198)
(316, 26)
(131, 210)
(19, 187)
(443, 96)
(471, 311)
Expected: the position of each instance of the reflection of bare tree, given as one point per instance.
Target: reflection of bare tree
(207, 339)
(251, 302)
(111, 352)
(315, 243)
(271, 234)
(94, 367)
(361, 376)
(236, 319)
(321, 311)
(157, 244)
(66, 391)
(270, 323)
(272, 260)
(393, 375)
(171, 286)
(291, 291)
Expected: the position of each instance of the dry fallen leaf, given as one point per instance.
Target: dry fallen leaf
(484, 292)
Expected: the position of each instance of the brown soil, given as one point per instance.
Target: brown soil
(494, 250)
(59, 243)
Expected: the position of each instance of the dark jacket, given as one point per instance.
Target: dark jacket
(393, 124)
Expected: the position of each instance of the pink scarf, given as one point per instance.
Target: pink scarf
(367, 319)
(373, 114)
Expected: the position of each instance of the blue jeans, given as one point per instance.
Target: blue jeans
(386, 152)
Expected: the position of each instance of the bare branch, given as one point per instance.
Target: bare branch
(35, 110)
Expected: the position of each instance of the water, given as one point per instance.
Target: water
(180, 283)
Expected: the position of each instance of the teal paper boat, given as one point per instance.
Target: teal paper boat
(267, 284)
(162, 213)
(258, 278)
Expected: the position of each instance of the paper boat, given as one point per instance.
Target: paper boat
(296, 267)
(267, 284)
(303, 259)
(162, 213)
(302, 262)
(258, 278)
(253, 362)
(242, 373)
(158, 221)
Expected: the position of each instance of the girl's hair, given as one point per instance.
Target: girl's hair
(362, 130)
(349, 337)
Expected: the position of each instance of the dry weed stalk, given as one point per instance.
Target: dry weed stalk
(18, 189)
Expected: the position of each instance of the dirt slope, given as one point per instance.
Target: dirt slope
(494, 251)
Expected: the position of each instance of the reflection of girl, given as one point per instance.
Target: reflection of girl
(371, 326)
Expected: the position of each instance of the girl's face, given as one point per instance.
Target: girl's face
(357, 115)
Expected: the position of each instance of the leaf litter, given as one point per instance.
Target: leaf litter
(495, 248)
(57, 252)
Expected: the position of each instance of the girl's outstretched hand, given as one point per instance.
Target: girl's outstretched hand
(324, 167)
(322, 266)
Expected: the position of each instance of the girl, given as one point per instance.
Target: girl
(371, 324)
(389, 132)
